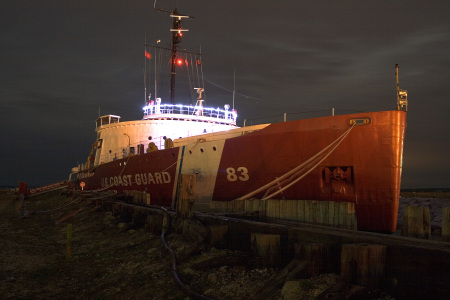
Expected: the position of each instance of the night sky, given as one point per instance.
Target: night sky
(63, 62)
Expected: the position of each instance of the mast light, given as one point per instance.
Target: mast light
(178, 16)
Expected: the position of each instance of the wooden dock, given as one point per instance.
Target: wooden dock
(407, 267)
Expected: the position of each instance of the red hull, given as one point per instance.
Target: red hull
(152, 172)
(364, 169)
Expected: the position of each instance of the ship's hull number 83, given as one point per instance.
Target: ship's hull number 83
(241, 173)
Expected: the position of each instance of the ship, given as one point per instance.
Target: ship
(354, 158)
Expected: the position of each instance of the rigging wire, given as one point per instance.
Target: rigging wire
(202, 77)
(190, 78)
(290, 175)
(271, 101)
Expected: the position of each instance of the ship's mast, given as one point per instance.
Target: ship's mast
(177, 34)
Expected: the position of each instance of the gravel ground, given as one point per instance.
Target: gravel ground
(113, 258)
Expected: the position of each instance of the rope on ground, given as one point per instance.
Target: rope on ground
(173, 269)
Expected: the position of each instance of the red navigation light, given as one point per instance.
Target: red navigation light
(179, 61)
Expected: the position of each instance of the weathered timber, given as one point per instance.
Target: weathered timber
(268, 247)
(289, 209)
(300, 270)
(414, 268)
(253, 205)
(427, 260)
(192, 229)
(138, 197)
(218, 236)
(446, 224)
(186, 195)
(363, 264)
(319, 257)
(221, 206)
(338, 214)
(147, 199)
(273, 208)
(416, 222)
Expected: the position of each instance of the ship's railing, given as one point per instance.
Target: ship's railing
(224, 115)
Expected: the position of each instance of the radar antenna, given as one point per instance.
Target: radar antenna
(402, 95)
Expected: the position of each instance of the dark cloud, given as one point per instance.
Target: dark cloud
(63, 61)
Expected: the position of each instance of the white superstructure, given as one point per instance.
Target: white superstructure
(161, 124)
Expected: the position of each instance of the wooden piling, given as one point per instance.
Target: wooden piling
(186, 195)
(147, 198)
(416, 222)
(446, 224)
(137, 197)
(273, 208)
(268, 247)
(319, 258)
(288, 209)
(239, 205)
(363, 264)
(218, 236)
(301, 211)
(347, 216)
(322, 258)
(252, 205)
(338, 214)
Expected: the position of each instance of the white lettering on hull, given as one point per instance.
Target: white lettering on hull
(241, 174)
(137, 179)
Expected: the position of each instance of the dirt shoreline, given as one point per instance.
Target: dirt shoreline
(110, 258)
(113, 257)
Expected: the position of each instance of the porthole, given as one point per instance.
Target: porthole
(190, 151)
(201, 150)
(214, 148)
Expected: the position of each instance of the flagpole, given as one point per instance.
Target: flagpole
(156, 89)
(234, 84)
(145, 70)
(145, 76)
